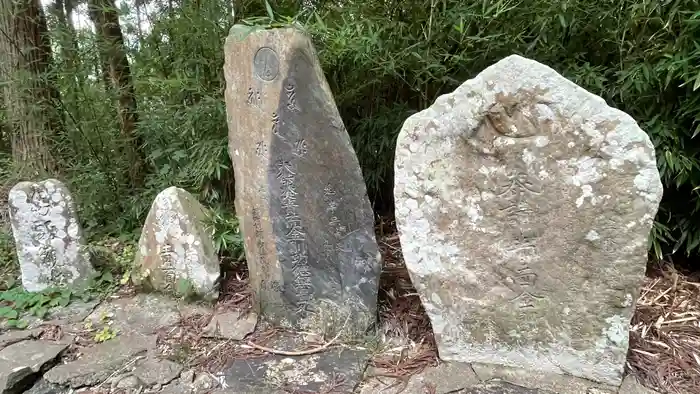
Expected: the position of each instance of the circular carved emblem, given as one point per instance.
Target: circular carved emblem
(266, 64)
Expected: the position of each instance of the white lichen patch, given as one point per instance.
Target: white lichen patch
(175, 247)
(49, 241)
(297, 372)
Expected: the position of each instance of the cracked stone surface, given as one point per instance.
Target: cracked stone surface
(444, 378)
(20, 361)
(153, 371)
(231, 325)
(535, 379)
(501, 387)
(524, 205)
(50, 242)
(176, 247)
(14, 336)
(143, 313)
(97, 363)
(302, 373)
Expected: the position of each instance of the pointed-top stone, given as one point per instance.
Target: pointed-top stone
(524, 205)
(176, 253)
(49, 241)
(300, 195)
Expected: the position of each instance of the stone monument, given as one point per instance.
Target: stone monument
(524, 205)
(48, 237)
(176, 253)
(300, 196)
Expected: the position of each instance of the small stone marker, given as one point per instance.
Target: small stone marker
(524, 205)
(49, 241)
(300, 195)
(176, 253)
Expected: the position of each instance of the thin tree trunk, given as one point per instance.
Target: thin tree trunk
(29, 95)
(68, 41)
(104, 15)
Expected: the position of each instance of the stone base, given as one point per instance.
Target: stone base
(493, 379)
(336, 370)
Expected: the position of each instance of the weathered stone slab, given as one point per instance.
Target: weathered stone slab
(524, 205)
(152, 371)
(443, 378)
(176, 253)
(300, 195)
(334, 370)
(231, 325)
(21, 362)
(97, 363)
(562, 384)
(48, 237)
(502, 387)
(142, 314)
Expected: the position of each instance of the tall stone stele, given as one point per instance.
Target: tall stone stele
(176, 253)
(524, 205)
(48, 238)
(300, 196)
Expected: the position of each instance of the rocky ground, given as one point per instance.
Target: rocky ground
(148, 343)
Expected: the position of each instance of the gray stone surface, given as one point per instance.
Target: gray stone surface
(231, 325)
(444, 378)
(97, 363)
(142, 314)
(300, 196)
(13, 336)
(22, 361)
(502, 387)
(524, 205)
(176, 252)
(44, 387)
(49, 241)
(153, 371)
(631, 385)
(312, 373)
(563, 384)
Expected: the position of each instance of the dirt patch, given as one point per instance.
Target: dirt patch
(665, 333)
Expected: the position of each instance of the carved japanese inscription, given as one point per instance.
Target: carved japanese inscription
(266, 64)
(315, 259)
(524, 205)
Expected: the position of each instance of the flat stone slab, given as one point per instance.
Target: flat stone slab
(20, 361)
(97, 363)
(312, 373)
(231, 325)
(444, 378)
(153, 371)
(143, 313)
(502, 387)
(13, 336)
(564, 384)
(44, 387)
(452, 377)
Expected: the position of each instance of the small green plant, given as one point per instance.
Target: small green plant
(106, 332)
(224, 227)
(9, 267)
(16, 301)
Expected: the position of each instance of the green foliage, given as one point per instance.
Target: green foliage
(223, 224)
(8, 261)
(384, 61)
(15, 302)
